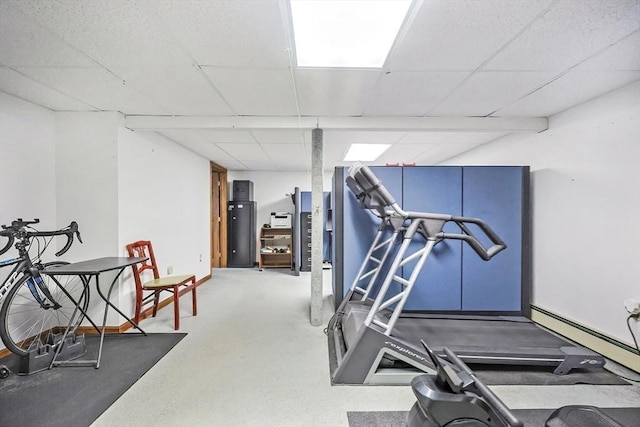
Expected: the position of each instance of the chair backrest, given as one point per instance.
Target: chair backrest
(143, 249)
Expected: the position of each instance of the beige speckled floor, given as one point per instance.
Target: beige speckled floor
(251, 358)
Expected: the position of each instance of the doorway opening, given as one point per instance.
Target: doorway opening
(219, 197)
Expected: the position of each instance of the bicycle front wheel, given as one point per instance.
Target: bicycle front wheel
(31, 319)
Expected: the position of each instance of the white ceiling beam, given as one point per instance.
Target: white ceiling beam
(407, 124)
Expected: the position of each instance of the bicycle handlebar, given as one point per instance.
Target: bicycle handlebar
(17, 229)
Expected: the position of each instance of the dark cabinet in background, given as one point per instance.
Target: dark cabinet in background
(242, 234)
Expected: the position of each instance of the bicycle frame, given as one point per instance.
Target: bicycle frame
(34, 283)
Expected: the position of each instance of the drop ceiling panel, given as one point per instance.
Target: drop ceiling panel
(403, 153)
(334, 92)
(213, 152)
(234, 136)
(622, 56)
(208, 136)
(362, 137)
(485, 92)
(282, 136)
(255, 92)
(94, 86)
(180, 90)
(114, 33)
(244, 152)
(571, 89)
(287, 153)
(439, 153)
(228, 33)
(25, 43)
(443, 29)
(25, 88)
(412, 93)
(569, 33)
(430, 138)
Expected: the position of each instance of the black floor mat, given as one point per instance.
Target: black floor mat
(76, 396)
(530, 417)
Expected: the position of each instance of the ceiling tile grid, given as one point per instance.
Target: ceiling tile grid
(570, 32)
(460, 35)
(233, 59)
(229, 33)
(28, 89)
(412, 93)
(485, 92)
(255, 92)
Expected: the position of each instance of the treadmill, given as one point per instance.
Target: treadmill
(371, 340)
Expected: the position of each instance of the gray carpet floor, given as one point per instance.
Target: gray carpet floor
(75, 396)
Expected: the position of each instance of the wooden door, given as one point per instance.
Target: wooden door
(218, 216)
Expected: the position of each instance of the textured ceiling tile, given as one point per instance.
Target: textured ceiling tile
(442, 30)
(287, 153)
(569, 33)
(571, 89)
(210, 151)
(180, 90)
(334, 92)
(442, 152)
(244, 152)
(362, 137)
(449, 137)
(112, 32)
(412, 93)
(25, 88)
(252, 92)
(25, 43)
(206, 136)
(622, 56)
(228, 33)
(485, 92)
(94, 86)
(282, 136)
(403, 153)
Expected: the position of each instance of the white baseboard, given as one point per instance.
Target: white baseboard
(609, 347)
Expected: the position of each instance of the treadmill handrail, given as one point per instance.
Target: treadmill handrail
(471, 239)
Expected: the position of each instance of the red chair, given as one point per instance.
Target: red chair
(178, 285)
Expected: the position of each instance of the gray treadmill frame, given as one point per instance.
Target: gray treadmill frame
(359, 349)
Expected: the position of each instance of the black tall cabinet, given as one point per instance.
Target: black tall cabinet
(242, 234)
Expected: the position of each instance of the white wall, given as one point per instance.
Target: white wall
(87, 181)
(27, 169)
(585, 174)
(164, 196)
(119, 186)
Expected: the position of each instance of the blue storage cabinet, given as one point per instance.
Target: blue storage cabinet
(454, 279)
(495, 195)
(305, 206)
(436, 189)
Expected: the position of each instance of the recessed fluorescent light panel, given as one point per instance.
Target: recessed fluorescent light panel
(365, 152)
(346, 33)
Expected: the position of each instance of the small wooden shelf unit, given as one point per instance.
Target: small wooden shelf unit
(275, 248)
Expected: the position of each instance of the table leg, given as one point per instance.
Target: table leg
(106, 311)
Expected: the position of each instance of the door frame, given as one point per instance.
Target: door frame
(224, 192)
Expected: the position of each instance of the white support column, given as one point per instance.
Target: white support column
(317, 170)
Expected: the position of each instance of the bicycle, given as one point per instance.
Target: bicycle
(37, 308)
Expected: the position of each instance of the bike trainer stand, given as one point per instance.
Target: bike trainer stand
(42, 357)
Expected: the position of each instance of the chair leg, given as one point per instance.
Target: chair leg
(156, 301)
(194, 303)
(136, 316)
(176, 308)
